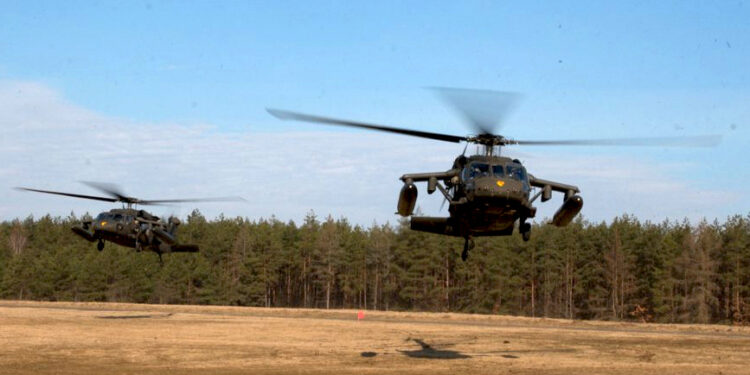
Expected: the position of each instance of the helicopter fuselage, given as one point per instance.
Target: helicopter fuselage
(492, 193)
(132, 228)
(488, 195)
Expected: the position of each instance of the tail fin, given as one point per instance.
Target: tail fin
(173, 224)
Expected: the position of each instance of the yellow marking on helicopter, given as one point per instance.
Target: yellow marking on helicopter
(500, 183)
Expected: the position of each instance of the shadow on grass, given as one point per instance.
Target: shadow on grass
(429, 352)
(134, 316)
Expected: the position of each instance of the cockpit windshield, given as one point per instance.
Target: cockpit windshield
(497, 171)
(479, 170)
(512, 170)
(110, 216)
(516, 172)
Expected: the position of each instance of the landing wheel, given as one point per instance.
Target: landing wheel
(525, 229)
(468, 245)
(100, 245)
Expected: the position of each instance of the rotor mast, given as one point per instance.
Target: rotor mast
(490, 142)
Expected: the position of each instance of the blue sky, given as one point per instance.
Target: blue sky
(193, 79)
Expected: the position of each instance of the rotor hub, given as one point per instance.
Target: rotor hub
(490, 140)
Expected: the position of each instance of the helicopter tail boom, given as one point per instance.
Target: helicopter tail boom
(164, 236)
(84, 233)
(437, 225)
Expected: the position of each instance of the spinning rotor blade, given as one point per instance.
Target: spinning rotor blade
(216, 199)
(484, 110)
(287, 115)
(70, 195)
(109, 189)
(691, 141)
(118, 196)
(115, 191)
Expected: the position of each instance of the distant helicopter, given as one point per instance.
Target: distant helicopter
(488, 193)
(131, 227)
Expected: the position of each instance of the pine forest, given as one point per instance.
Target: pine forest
(670, 272)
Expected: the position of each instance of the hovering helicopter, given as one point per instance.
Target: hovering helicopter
(488, 193)
(129, 226)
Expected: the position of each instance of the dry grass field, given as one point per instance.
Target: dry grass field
(112, 338)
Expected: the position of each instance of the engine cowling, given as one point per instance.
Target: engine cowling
(407, 199)
(570, 208)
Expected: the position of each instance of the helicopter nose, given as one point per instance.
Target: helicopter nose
(100, 224)
(498, 188)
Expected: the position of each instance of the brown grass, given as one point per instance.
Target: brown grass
(113, 338)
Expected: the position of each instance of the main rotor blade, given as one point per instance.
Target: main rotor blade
(689, 141)
(484, 110)
(287, 115)
(109, 189)
(215, 199)
(70, 194)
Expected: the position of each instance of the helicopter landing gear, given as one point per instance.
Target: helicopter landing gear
(100, 245)
(468, 245)
(525, 229)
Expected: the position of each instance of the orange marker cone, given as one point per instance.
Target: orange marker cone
(360, 315)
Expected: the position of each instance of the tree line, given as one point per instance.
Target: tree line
(671, 272)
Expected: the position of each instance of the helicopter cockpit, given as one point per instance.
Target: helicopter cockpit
(108, 216)
(475, 170)
(479, 169)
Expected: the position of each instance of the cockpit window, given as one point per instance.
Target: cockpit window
(475, 170)
(516, 171)
(479, 170)
(497, 171)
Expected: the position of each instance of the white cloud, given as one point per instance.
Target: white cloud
(612, 186)
(49, 143)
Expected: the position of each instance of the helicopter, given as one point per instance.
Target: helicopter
(129, 226)
(488, 193)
